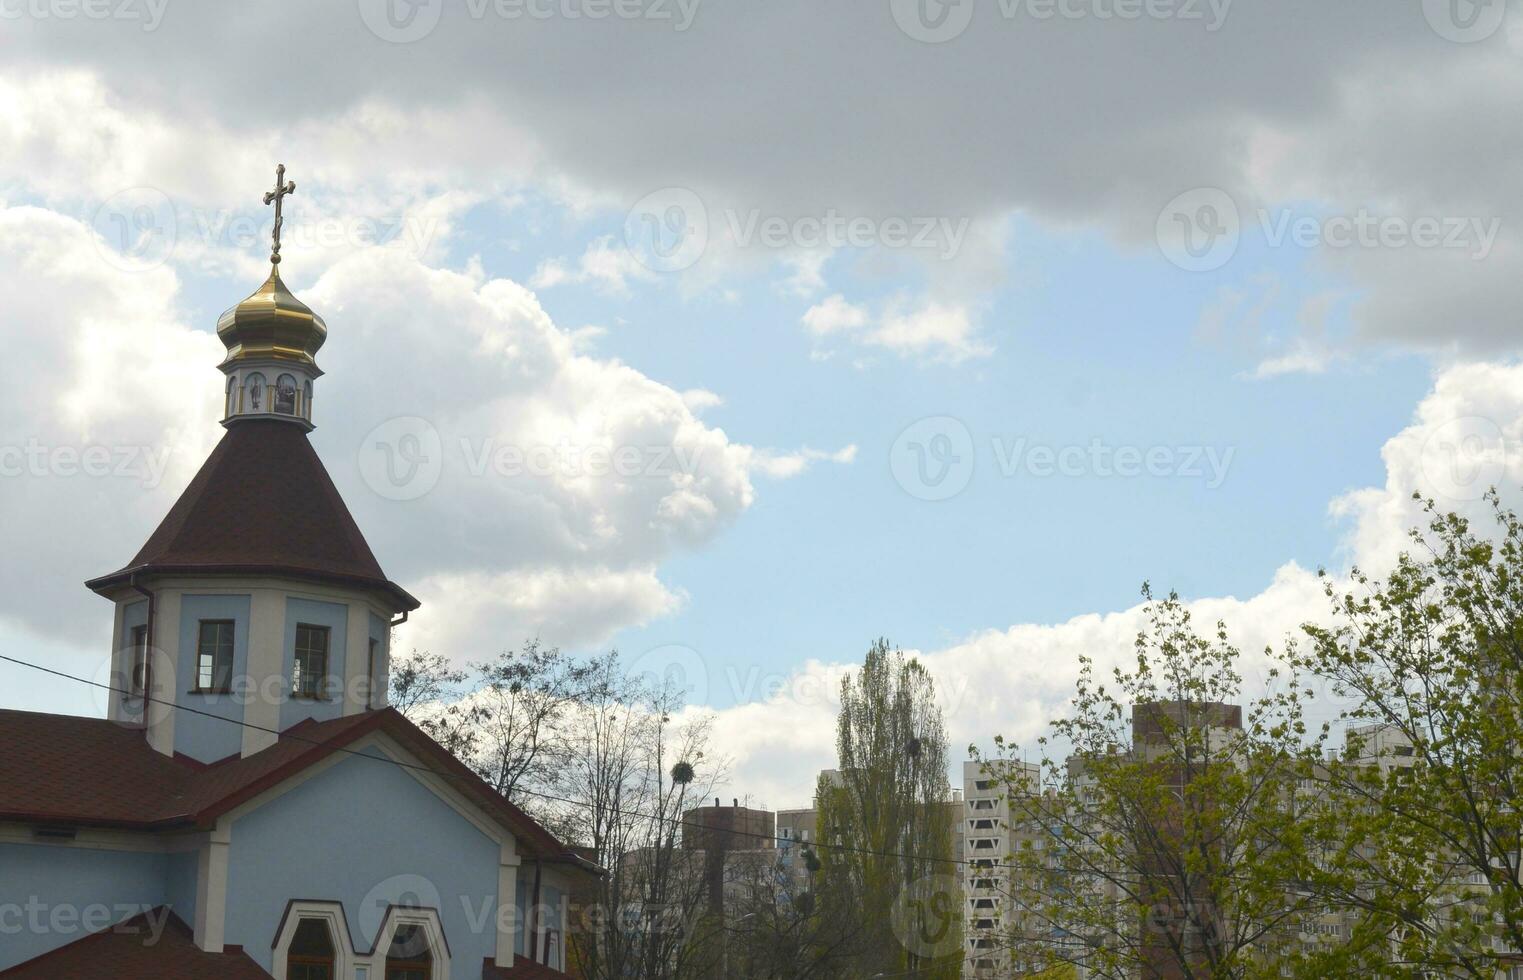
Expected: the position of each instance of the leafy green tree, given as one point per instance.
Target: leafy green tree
(1430, 661)
(885, 818)
(1170, 832)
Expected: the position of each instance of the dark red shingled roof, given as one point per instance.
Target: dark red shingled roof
(127, 952)
(69, 771)
(523, 969)
(262, 503)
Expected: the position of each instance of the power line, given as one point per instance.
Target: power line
(548, 797)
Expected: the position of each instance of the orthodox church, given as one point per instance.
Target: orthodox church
(251, 808)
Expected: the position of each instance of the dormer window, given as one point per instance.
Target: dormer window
(311, 956)
(285, 395)
(409, 957)
(311, 661)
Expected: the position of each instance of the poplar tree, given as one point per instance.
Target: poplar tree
(885, 818)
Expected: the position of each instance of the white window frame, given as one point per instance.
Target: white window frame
(395, 918)
(338, 927)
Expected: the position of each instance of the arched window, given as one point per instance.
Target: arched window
(311, 955)
(306, 401)
(231, 407)
(256, 392)
(285, 395)
(409, 957)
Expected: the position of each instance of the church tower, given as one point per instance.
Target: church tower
(256, 604)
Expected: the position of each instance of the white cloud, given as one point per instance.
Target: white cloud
(834, 315)
(614, 472)
(1466, 436)
(605, 265)
(786, 465)
(97, 362)
(930, 330)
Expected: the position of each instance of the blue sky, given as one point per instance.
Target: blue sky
(1331, 377)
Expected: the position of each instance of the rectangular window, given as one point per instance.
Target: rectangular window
(214, 656)
(370, 694)
(307, 680)
(137, 662)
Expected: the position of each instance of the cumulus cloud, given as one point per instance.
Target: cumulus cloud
(784, 465)
(1465, 437)
(112, 404)
(604, 265)
(563, 480)
(1382, 110)
(930, 330)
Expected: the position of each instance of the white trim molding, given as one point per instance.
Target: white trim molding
(211, 888)
(398, 916)
(332, 915)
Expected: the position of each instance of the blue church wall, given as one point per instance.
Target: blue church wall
(60, 886)
(414, 850)
(180, 882)
(335, 616)
(198, 736)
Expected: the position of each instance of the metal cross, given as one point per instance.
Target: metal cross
(282, 188)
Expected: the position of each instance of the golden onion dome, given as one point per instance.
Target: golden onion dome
(272, 323)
